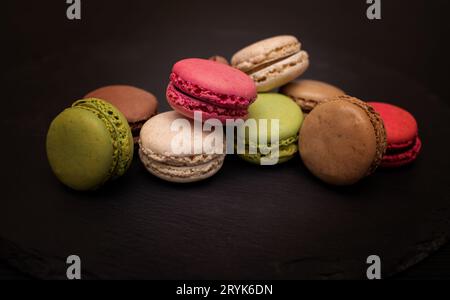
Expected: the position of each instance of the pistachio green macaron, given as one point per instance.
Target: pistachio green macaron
(89, 144)
(268, 110)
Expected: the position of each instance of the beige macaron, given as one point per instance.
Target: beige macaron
(310, 93)
(172, 150)
(272, 62)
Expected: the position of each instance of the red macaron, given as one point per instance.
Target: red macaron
(215, 90)
(404, 144)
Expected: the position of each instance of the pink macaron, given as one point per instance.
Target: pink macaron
(215, 90)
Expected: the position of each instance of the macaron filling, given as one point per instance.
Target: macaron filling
(275, 69)
(269, 63)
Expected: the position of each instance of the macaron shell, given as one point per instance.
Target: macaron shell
(282, 72)
(79, 149)
(124, 135)
(214, 78)
(338, 142)
(264, 52)
(401, 126)
(134, 103)
(157, 135)
(286, 153)
(309, 93)
(272, 106)
(182, 174)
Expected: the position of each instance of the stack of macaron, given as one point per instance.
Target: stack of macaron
(272, 63)
(340, 139)
(208, 89)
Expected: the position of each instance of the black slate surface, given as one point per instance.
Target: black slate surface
(248, 221)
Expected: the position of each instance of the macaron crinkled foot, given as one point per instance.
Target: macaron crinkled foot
(342, 141)
(178, 164)
(404, 143)
(89, 144)
(137, 105)
(310, 93)
(272, 62)
(267, 108)
(214, 89)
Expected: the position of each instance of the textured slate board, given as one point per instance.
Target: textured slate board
(246, 222)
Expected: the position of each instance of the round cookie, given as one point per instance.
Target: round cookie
(179, 164)
(272, 106)
(213, 89)
(89, 144)
(342, 141)
(272, 62)
(404, 144)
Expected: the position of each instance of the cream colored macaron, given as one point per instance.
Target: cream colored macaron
(167, 148)
(310, 93)
(272, 62)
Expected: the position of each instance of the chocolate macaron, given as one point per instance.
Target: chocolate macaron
(310, 93)
(342, 141)
(137, 105)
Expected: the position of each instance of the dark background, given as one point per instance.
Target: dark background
(41, 46)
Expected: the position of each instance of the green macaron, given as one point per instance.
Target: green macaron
(269, 107)
(89, 144)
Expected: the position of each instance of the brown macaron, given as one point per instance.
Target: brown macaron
(136, 104)
(342, 141)
(219, 59)
(310, 93)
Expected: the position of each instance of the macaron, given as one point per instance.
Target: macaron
(137, 105)
(165, 157)
(403, 141)
(215, 90)
(310, 93)
(342, 141)
(272, 62)
(89, 144)
(268, 107)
